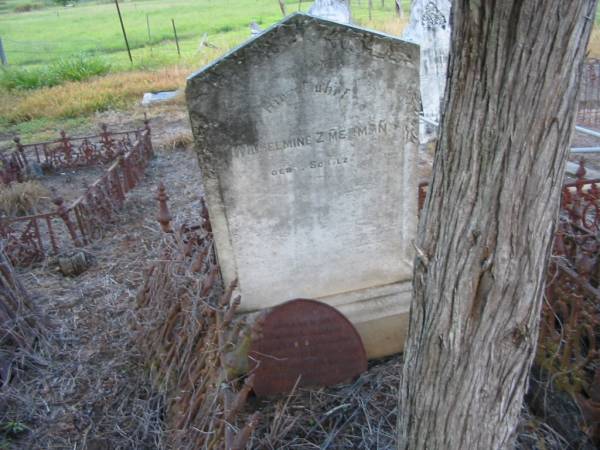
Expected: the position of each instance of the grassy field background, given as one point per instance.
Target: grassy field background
(43, 43)
(78, 52)
(42, 36)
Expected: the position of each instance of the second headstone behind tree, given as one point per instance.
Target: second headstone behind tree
(336, 10)
(429, 27)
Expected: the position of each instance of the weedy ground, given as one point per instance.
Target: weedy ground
(20, 199)
(88, 387)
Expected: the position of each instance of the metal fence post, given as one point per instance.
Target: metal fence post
(3, 54)
(123, 29)
(176, 39)
(148, 27)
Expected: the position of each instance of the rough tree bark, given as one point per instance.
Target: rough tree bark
(488, 223)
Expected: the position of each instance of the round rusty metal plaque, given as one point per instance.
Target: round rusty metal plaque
(305, 341)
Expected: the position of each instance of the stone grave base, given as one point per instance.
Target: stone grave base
(379, 314)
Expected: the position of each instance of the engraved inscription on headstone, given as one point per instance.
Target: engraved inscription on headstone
(307, 343)
(307, 141)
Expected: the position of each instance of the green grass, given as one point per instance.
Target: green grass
(37, 43)
(44, 129)
(42, 36)
(74, 68)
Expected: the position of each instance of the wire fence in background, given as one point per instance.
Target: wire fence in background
(30, 52)
(589, 95)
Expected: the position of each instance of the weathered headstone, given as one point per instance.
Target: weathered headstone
(307, 140)
(429, 27)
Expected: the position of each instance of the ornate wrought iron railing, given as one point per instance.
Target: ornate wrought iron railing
(569, 339)
(66, 152)
(30, 239)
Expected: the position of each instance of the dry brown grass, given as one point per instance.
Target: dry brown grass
(21, 199)
(86, 97)
(394, 26)
(594, 45)
(178, 141)
(119, 90)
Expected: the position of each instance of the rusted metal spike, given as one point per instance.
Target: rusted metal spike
(63, 213)
(241, 439)
(117, 189)
(231, 311)
(21, 150)
(240, 399)
(581, 170)
(209, 282)
(67, 148)
(200, 260)
(164, 216)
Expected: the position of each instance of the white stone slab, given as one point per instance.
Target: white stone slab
(335, 10)
(429, 27)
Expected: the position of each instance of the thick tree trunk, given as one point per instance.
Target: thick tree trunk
(488, 223)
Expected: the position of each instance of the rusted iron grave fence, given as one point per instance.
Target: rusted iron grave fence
(66, 153)
(568, 347)
(204, 404)
(569, 339)
(189, 333)
(30, 238)
(589, 96)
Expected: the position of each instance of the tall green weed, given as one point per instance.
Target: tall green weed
(75, 68)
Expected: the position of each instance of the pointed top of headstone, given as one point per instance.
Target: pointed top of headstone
(277, 38)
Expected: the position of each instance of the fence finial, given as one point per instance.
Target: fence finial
(581, 170)
(146, 122)
(63, 213)
(164, 216)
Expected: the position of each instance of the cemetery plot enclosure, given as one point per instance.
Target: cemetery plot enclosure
(65, 153)
(30, 238)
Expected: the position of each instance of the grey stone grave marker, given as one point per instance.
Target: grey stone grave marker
(429, 27)
(307, 139)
